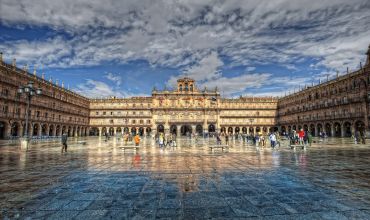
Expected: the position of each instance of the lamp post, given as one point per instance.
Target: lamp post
(29, 90)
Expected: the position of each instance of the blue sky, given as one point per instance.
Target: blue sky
(125, 48)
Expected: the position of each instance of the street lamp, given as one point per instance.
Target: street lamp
(29, 91)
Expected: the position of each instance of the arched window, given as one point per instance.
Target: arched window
(186, 87)
(191, 88)
(180, 88)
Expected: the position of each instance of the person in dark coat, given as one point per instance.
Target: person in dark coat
(64, 142)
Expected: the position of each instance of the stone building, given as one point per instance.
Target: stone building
(338, 107)
(184, 110)
(57, 110)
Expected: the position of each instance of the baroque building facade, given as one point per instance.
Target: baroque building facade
(182, 111)
(338, 107)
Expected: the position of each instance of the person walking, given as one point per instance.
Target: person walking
(64, 142)
(218, 139)
(273, 139)
(137, 139)
(309, 138)
(301, 136)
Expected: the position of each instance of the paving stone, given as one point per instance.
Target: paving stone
(99, 181)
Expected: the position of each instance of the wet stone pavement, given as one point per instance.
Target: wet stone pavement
(98, 180)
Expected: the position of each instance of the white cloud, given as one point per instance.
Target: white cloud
(114, 78)
(192, 35)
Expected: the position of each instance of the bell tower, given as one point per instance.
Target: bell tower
(185, 85)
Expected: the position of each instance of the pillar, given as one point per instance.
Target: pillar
(353, 128)
(75, 132)
(100, 131)
(114, 131)
(332, 130)
(342, 130)
(144, 131)
(316, 131)
(254, 130)
(39, 130)
(193, 127)
(20, 130)
(8, 129)
(178, 130)
(54, 131)
(30, 130)
(248, 130)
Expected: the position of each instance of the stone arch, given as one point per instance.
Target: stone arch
(35, 129)
(328, 127)
(312, 129)
(15, 129)
(258, 129)
(3, 128)
(111, 131)
(119, 130)
(244, 130)
(305, 127)
(44, 130)
(148, 130)
(173, 129)
(51, 130)
(186, 130)
(237, 130)
(57, 130)
(199, 129)
(347, 131)
(211, 128)
(319, 128)
(223, 130)
(230, 130)
(160, 128)
(94, 131)
(337, 129)
(126, 130)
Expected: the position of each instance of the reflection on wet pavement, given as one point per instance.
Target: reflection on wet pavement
(99, 181)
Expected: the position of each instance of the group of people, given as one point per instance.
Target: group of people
(258, 139)
(301, 137)
(164, 140)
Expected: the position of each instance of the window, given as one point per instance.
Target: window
(180, 88)
(111, 121)
(96, 113)
(59, 117)
(133, 113)
(191, 88)
(53, 116)
(5, 109)
(141, 122)
(46, 115)
(133, 121)
(18, 111)
(186, 87)
(104, 113)
(111, 113)
(148, 121)
(5, 92)
(141, 113)
(133, 105)
(38, 114)
(70, 118)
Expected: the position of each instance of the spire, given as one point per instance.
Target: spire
(368, 57)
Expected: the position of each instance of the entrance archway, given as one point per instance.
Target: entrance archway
(173, 129)
(319, 128)
(44, 130)
(186, 130)
(223, 130)
(160, 129)
(111, 131)
(328, 129)
(211, 128)
(230, 130)
(244, 130)
(199, 129)
(141, 131)
(14, 129)
(35, 129)
(126, 130)
(94, 131)
(237, 130)
(148, 130)
(347, 129)
(312, 129)
(2, 129)
(337, 129)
